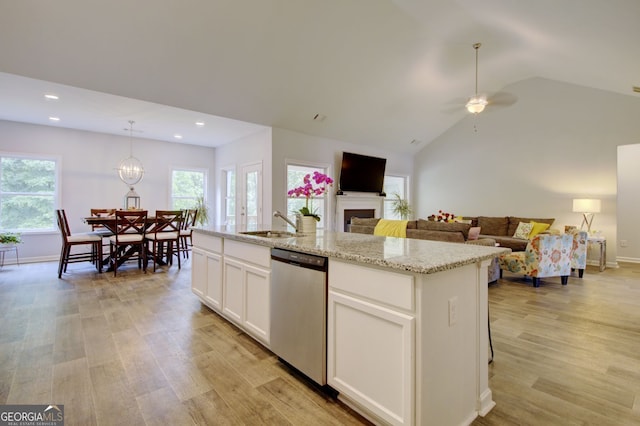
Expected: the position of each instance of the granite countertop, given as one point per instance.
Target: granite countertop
(407, 254)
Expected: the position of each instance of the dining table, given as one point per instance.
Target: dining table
(109, 222)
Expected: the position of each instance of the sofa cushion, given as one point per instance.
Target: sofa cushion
(515, 244)
(537, 227)
(514, 221)
(474, 232)
(430, 225)
(425, 234)
(523, 230)
(495, 225)
(365, 221)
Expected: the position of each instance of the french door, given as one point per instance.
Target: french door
(251, 195)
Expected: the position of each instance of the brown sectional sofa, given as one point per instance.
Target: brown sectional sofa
(501, 229)
(493, 229)
(426, 230)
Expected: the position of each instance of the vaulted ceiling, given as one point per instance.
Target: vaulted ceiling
(381, 72)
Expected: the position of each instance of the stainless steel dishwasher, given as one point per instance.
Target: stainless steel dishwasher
(299, 311)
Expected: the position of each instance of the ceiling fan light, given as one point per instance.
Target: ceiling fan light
(476, 104)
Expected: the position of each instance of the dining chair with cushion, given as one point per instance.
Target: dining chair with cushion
(186, 232)
(75, 240)
(128, 241)
(99, 229)
(163, 237)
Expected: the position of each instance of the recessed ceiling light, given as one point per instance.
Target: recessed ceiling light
(414, 142)
(319, 117)
(51, 97)
(54, 118)
(200, 123)
(177, 136)
(636, 89)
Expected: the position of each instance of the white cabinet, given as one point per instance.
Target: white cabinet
(206, 270)
(233, 302)
(198, 272)
(371, 339)
(257, 284)
(247, 287)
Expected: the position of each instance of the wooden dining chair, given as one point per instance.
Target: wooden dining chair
(99, 229)
(186, 232)
(163, 237)
(128, 242)
(69, 241)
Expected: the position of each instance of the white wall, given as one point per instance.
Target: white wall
(290, 145)
(558, 142)
(89, 178)
(629, 202)
(252, 149)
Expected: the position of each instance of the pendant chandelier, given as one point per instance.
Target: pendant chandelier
(130, 169)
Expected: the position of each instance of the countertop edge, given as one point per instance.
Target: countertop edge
(298, 244)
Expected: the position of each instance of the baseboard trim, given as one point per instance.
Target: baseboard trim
(12, 261)
(628, 259)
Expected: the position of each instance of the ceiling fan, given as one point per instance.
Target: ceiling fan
(477, 102)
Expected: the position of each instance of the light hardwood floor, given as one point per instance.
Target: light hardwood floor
(141, 349)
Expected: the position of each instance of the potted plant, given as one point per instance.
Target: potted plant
(308, 191)
(401, 207)
(10, 239)
(203, 211)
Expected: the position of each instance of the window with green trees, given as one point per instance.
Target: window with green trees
(318, 204)
(28, 193)
(394, 186)
(187, 186)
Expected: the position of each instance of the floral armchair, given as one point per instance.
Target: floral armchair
(546, 255)
(579, 251)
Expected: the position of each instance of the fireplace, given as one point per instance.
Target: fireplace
(359, 205)
(363, 213)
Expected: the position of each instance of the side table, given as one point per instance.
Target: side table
(4, 248)
(602, 243)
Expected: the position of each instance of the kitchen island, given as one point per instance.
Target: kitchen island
(407, 320)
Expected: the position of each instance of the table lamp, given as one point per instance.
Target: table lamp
(588, 207)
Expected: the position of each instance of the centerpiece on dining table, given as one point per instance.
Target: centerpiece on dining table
(314, 185)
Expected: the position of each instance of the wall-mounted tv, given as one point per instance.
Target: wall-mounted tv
(362, 173)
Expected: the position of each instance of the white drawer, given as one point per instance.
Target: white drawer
(389, 288)
(253, 253)
(207, 242)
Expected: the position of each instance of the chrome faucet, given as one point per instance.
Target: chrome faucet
(286, 219)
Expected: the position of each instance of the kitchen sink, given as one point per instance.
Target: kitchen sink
(270, 234)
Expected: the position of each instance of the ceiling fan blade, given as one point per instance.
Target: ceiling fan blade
(503, 99)
(454, 106)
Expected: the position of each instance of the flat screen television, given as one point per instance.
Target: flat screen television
(362, 173)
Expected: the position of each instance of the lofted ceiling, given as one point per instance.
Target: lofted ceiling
(383, 72)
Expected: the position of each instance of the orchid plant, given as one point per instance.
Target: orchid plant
(314, 186)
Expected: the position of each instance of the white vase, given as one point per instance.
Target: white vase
(307, 225)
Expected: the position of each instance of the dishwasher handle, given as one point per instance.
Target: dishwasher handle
(302, 260)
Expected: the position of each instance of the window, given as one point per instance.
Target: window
(28, 193)
(318, 205)
(229, 197)
(394, 185)
(188, 187)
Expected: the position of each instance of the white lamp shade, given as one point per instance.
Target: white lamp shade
(586, 205)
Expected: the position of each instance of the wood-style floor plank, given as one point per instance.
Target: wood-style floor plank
(143, 346)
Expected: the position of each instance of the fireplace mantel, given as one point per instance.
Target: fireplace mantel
(357, 201)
